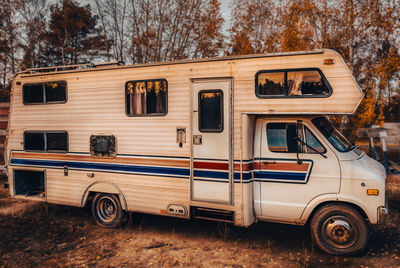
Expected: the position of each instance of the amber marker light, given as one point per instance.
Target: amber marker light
(372, 192)
(329, 61)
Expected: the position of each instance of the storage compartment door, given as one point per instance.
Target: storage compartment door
(29, 183)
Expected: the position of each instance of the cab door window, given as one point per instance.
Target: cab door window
(282, 137)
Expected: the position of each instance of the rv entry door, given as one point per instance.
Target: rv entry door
(211, 174)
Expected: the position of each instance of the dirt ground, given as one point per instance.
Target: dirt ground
(39, 235)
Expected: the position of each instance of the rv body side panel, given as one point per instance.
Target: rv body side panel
(145, 144)
(96, 106)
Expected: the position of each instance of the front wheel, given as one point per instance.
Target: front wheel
(339, 229)
(107, 210)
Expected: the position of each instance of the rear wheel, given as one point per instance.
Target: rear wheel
(107, 210)
(339, 230)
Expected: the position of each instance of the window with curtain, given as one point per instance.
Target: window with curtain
(292, 83)
(146, 97)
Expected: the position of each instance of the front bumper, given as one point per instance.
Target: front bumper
(383, 213)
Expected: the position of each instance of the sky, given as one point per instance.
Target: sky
(226, 13)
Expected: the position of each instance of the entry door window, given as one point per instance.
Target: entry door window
(211, 113)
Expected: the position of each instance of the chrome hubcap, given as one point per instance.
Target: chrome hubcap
(339, 232)
(106, 209)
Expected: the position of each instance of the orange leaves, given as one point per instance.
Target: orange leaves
(364, 32)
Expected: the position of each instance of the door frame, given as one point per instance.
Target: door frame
(193, 81)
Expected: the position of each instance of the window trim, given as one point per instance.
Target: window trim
(146, 115)
(44, 93)
(44, 132)
(285, 71)
(222, 110)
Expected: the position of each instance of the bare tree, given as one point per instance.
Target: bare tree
(255, 22)
(113, 19)
(165, 30)
(32, 17)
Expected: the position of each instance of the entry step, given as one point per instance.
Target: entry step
(212, 214)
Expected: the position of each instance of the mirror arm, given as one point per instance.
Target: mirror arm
(308, 146)
(299, 161)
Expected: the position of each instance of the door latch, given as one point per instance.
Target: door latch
(180, 136)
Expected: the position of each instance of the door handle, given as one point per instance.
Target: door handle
(269, 162)
(266, 164)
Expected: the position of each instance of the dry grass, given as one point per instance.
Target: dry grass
(60, 236)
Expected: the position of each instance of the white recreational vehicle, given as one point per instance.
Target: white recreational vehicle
(233, 139)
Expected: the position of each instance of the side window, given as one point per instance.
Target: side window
(282, 137)
(146, 97)
(46, 141)
(312, 141)
(271, 84)
(211, 112)
(292, 83)
(55, 91)
(47, 92)
(34, 141)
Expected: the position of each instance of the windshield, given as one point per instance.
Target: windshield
(334, 137)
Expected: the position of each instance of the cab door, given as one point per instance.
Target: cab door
(288, 180)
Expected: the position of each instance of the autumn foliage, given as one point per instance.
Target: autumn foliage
(364, 32)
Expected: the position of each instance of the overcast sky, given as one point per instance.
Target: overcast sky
(226, 13)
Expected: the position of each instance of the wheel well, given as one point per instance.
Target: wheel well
(89, 199)
(103, 187)
(337, 202)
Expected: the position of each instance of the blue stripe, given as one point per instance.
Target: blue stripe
(211, 174)
(124, 168)
(184, 172)
(103, 166)
(246, 176)
(280, 176)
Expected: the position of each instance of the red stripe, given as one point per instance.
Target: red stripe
(283, 166)
(210, 165)
(3, 111)
(246, 167)
(3, 124)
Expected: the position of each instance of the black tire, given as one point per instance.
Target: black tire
(107, 210)
(339, 229)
